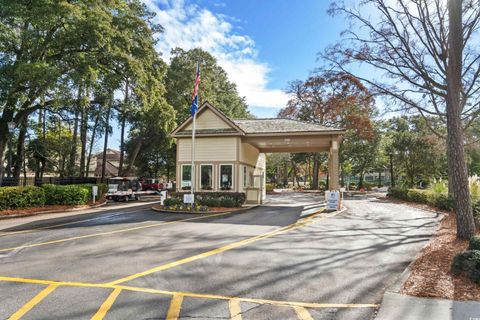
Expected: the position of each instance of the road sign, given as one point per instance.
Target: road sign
(333, 200)
(94, 192)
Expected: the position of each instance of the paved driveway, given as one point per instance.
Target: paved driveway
(286, 260)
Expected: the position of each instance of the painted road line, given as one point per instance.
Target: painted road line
(107, 304)
(175, 306)
(111, 232)
(235, 309)
(192, 295)
(234, 245)
(7, 233)
(32, 303)
(302, 313)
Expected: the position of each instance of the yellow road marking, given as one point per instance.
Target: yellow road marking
(7, 233)
(175, 306)
(298, 224)
(235, 309)
(192, 295)
(302, 313)
(111, 232)
(32, 303)
(106, 305)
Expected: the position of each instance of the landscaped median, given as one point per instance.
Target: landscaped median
(27, 200)
(205, 202)
(447, 268)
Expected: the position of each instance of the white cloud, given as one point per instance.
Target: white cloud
(189, 26)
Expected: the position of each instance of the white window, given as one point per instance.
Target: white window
(206, 176)
(186, 176)
(226, 176)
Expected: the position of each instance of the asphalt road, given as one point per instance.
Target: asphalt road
(280, 261)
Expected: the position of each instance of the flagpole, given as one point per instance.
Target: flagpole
(193, 138)
(193, 154)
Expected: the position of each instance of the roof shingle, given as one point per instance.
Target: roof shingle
(279, 125)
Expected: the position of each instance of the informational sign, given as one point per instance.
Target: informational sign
(188, 198)
(169, 185)
(94, 192)
(333, 200)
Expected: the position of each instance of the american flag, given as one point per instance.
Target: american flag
(194, 107)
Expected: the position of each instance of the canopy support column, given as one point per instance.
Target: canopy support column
(333, 165)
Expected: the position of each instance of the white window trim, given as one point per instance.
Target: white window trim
(220, 176)
(181, 175)
(213, 176)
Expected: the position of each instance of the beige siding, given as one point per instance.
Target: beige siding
(249, 154)
(209, 120)
(208, 149)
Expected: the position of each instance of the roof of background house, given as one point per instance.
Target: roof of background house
(111, 154)
(279, 125)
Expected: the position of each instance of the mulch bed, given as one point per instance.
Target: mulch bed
(45, 209)
(430, 273)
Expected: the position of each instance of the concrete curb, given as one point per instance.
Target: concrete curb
(12, 216)
(396, 287)
(204, 213)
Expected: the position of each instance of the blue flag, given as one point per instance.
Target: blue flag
(194, 106)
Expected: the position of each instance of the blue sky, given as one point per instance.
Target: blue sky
(261, 44)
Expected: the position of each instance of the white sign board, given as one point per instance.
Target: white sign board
(95, 191)
(333, 200)
(188, 198)
(168, 185)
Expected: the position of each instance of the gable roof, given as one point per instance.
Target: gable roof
(280, 125)
(234, 130)
(253, 126)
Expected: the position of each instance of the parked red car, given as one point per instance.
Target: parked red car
(151, 184)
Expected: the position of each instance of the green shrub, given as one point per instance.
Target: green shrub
(21, 197)
(66, 195)
(227, 203)
(172, 202)
(468, 262)
(211, 202)
(102, 189)
(474, 243)
(269, 187)
(444, 202)
(417, 196)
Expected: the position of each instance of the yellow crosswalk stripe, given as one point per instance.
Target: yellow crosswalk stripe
(302, 313)
(175, 306)
(235, 309)
(32, 303)
(106, 305)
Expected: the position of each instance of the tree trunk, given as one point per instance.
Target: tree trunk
(92, 141)
(73, 151)
(17, 168)
(135, 153)
(316, 165)
(3, 144)
(456, 160)
(105, 141)
(122, 130)
(83, 139)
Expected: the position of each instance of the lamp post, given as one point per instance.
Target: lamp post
(11, 128)
(392, 181)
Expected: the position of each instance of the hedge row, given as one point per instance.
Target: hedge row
(48, 194)
(437, 200)
(434, 199)
(21, 197)
(211, 199)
